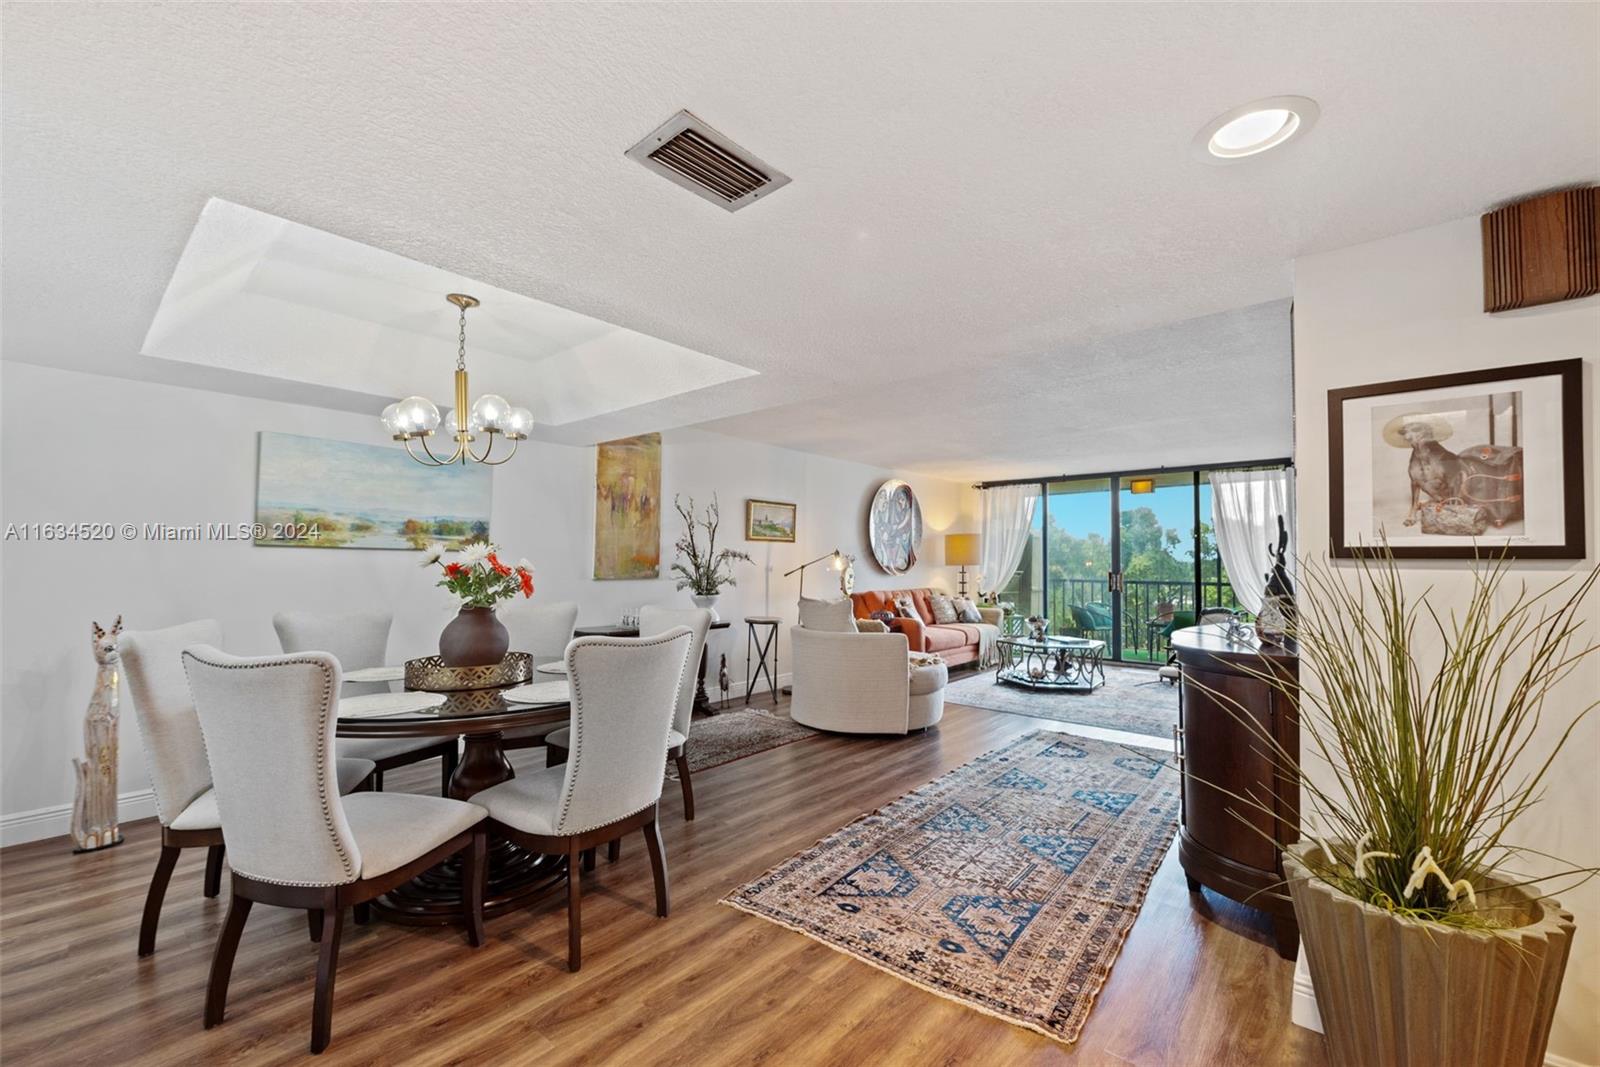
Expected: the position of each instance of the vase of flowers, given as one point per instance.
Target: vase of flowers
(475, 574)
(1424, 947)
(703, 570)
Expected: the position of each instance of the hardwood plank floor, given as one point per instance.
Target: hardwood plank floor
(1197, 981)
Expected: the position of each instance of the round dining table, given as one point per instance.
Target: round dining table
(480, 717)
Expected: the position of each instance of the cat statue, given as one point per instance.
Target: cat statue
(94, 808)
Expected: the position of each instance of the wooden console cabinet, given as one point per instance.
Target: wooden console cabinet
(1225, 844)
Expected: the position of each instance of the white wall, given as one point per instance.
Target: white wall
(86, 448)
(1410, 306)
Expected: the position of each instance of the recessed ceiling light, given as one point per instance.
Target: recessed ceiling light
(1252, 128)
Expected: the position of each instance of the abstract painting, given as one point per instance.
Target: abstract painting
(627, 508)
(768, 520)
(316, 493)
(1457, 464)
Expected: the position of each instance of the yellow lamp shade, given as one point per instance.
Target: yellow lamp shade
(961, 550)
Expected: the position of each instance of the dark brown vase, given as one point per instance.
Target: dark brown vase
(474, 638)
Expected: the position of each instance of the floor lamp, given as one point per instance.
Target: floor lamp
(839, 562)
(961, 550)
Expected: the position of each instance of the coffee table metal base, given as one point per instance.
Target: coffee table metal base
(1073, 668)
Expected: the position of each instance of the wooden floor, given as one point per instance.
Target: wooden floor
(1196, 983)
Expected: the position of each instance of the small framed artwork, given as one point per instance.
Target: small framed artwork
(1457, 465)
(768, 520)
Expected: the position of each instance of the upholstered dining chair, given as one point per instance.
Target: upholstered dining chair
(653, 620)
(544, 630)
(356, 640)
(293, 842)
(623, 696)
(175, 754)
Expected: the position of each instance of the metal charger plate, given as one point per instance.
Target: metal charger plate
(430, 675)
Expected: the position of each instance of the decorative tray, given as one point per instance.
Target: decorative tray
(432, 676)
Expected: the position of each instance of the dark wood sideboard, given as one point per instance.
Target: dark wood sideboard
(1225, 844)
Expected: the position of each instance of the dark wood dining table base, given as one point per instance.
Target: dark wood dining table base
(516, 876)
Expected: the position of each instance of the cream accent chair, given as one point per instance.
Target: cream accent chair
(175, 754)
(357, 640)
(860, 683)
(544, 630)
(653, 620)
(268, 725)
(624, 692)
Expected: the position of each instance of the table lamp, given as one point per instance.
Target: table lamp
(961, 550)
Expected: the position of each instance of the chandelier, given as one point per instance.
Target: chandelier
(416, 417)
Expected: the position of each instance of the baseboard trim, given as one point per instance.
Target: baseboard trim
(56, 821)
(1303, 1009)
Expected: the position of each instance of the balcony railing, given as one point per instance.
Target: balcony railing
(1141, 599)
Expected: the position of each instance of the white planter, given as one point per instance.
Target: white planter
(707, 602)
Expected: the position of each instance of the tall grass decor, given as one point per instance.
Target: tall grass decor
(1426, 940)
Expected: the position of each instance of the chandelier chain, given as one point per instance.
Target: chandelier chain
(461, 350)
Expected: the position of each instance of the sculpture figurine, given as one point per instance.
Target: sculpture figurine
(94, 808)
(1276, 618)
(722, 680)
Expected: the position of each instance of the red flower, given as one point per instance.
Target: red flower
(527, 582)
(499, 568)
(452, 570)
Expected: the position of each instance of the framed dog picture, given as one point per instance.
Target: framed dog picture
(768, 520)
(1457, 465)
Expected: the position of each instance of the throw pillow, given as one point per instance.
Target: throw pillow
(905, 607)
(885, 617)
(944, 612)
(966, 610)
(833, 616)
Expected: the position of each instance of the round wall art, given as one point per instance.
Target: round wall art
(894, 526)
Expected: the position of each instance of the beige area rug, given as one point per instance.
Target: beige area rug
(1008, 884)
(1133, 699)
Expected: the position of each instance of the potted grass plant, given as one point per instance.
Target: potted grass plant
(1427, 738)
(703, 569)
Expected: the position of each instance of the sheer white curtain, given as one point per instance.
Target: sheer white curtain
(1245, 506)
(1007, 518)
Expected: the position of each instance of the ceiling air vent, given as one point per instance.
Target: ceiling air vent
(686, 151)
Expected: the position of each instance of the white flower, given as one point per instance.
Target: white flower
(1323, 845)
(475, 552)
(1362, 856)
(433, 553)
(523, 564)
(1462, 885)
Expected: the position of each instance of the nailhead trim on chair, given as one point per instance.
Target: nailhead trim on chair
(352, 873)
(573, 755)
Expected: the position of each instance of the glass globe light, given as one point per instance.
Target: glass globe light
(518, 423)
(451, 426)
(490, 411)
(417, 414)
(391, 421)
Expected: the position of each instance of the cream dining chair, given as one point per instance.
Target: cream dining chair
(356, 640)
(653, 620)
(175, 755)
(293, 842)
(623, 696)
(543, 630)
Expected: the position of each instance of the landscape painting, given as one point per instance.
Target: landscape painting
(316, 493)
(627, 508)
(768, 520)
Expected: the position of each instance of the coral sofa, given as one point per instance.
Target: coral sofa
(956, 644)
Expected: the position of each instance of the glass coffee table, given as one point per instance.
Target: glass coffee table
(1071, 664)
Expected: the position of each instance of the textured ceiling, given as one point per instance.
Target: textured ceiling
(982, 193)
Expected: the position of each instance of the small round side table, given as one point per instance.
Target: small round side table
(764, 645)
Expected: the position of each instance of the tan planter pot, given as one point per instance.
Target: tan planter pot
(1397, 993)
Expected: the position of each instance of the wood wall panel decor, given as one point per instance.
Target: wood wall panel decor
(1542, 250)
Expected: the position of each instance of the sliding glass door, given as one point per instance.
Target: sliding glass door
(1124, 558)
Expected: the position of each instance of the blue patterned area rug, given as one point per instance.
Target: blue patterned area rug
(1133, 699)
(1008, 884)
